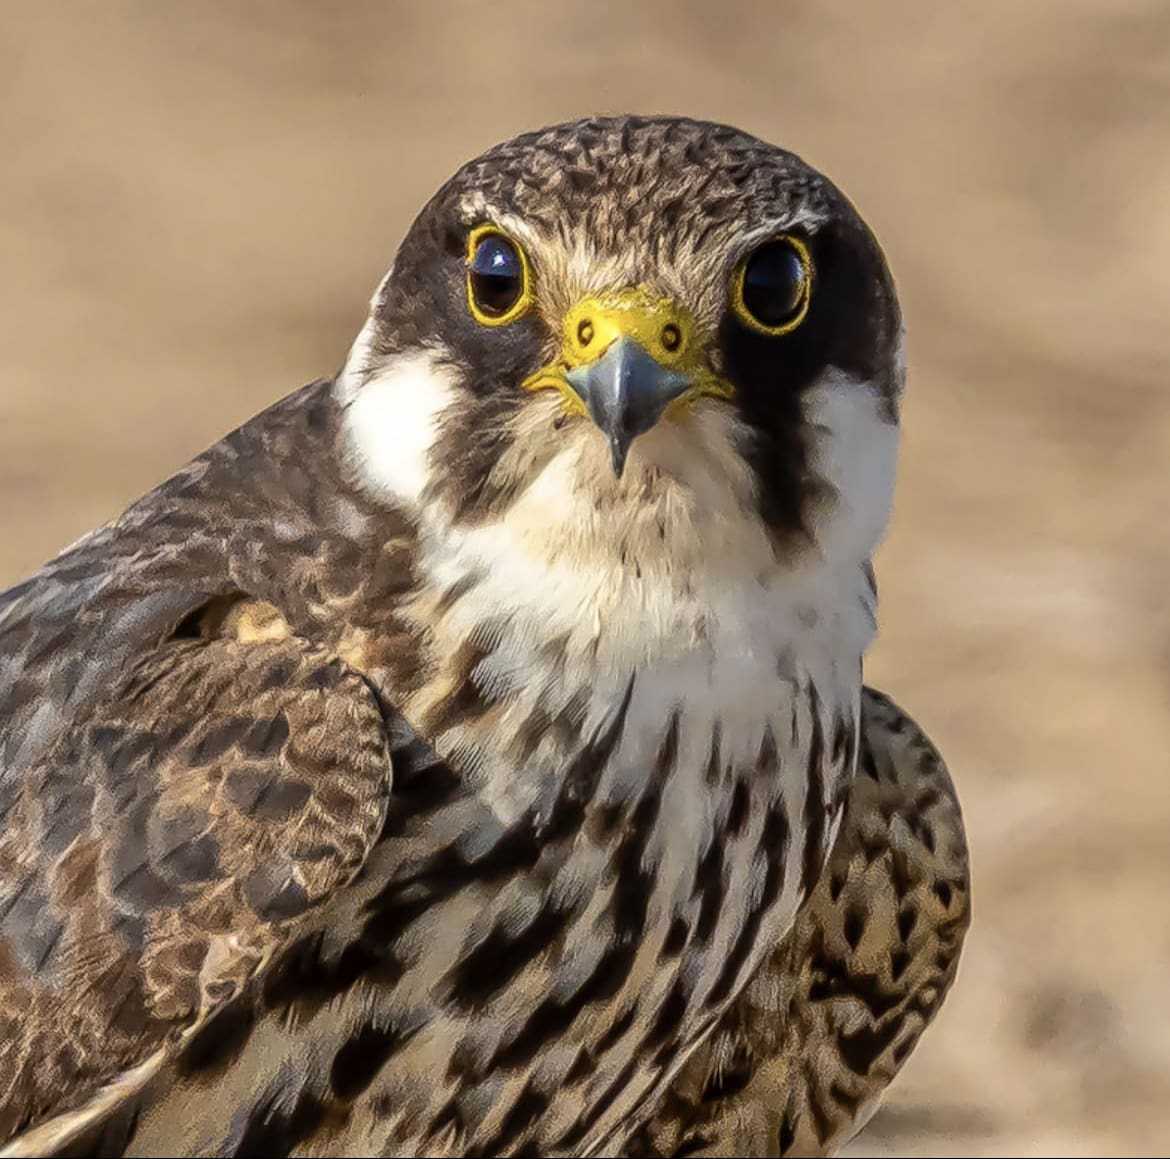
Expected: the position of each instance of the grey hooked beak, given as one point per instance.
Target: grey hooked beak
(626, 390)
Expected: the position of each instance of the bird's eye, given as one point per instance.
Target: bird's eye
(497, 277)
(771, 289)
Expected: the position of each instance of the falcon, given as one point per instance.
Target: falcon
(470, 754)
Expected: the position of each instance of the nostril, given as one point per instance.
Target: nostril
(584, 331)
(671, 336)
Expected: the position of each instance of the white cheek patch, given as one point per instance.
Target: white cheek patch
(855, 449)
(391, 421)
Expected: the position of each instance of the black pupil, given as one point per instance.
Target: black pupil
(774, 284)
(497, 277)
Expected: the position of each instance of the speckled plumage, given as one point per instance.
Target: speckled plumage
(395, 780)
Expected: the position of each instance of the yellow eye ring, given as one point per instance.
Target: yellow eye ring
(499, 280)
(778, 301)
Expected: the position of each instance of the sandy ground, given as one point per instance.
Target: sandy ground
(196, 200)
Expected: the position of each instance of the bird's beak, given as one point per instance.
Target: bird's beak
(625, 392)
(627, 355)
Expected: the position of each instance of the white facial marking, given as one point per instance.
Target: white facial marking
(391, 420)
(855, 450)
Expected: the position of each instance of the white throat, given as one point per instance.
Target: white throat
(644, 560)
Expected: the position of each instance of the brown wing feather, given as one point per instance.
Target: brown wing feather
(802, 1061)
(168, 845)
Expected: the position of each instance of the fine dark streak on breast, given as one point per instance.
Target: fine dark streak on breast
(553, 1017)
(709, 886)
(485, 971)
(465, 702)
(772, 852)
(575, 1136)
(842, 741)
(676, 939)
(581, 777)
(357, 1063)
(632, 887)
(668, 1020)
(304, 980)
(737, 814)
(634, 881)
(406, 898)
(618, 1030)
(421, 781)
(815, 803)
(529, 1106)
(274, 1130)
(713, 759)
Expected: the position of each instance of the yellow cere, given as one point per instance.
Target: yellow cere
(661, 326)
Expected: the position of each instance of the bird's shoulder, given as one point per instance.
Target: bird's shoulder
(265, 514)
(173, 838)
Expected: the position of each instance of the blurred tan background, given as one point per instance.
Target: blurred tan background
(197, 199)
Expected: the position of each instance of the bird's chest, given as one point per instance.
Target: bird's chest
(640, 775)
(629, 844)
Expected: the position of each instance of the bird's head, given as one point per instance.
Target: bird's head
(666, 321)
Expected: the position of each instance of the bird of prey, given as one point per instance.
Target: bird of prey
(470, 754)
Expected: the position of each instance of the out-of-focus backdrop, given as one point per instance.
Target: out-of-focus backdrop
(197, 199)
